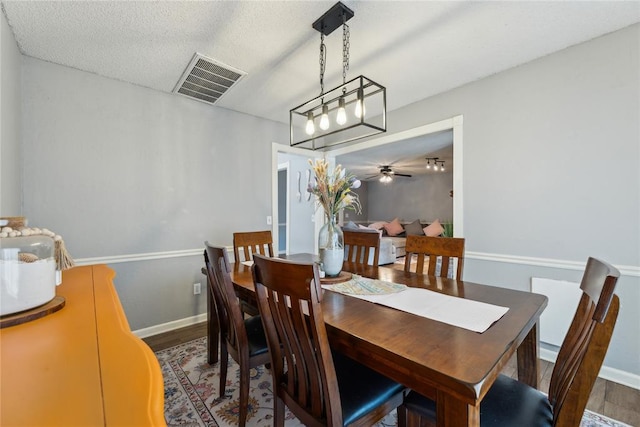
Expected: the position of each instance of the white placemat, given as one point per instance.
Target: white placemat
(464, 313)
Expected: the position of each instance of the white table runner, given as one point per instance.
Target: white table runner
(464, 313)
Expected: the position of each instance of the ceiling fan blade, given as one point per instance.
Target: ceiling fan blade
(403, 174)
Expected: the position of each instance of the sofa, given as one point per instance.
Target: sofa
(393, 235)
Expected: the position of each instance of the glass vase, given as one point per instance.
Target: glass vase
(331, 247)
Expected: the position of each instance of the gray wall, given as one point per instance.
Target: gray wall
(118, 169)
(10, 116)
(423, 197)
(552, 171)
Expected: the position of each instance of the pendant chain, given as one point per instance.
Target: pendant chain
(345, 50)
(323, 60)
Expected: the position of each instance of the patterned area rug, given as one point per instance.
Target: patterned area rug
(191, 393)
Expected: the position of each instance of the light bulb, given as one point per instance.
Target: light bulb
(442, 168)
(428, 165)
(360, 109)
(341, 117)
(324, 119)
(310, 128)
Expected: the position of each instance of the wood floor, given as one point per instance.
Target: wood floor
(610, 399)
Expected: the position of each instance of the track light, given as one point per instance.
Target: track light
(437, 164)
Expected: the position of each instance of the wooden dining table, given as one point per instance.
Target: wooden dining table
(451, 365)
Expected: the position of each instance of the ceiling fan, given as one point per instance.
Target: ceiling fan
(386, 174)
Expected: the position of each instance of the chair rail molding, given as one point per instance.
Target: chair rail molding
(625, 270)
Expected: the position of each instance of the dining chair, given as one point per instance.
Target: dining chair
(433, 249)
(245, 244)
(242, 338)
(360, 246)
(320, 387)
(512, 403)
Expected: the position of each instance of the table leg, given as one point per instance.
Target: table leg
(452, 412)
(213, 329)
(528, 358)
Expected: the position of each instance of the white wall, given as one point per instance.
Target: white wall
(552, 171)
(10, 116)
(121, 170)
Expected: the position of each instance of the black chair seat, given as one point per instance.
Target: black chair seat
(255, 336)
(361, 389)
(509, 403)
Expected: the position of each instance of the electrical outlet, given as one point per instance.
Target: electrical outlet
(196, 288)
(269, 220)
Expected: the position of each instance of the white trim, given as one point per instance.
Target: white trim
(149, 256)
(625, 270)
(607, 373)
(170, 326)
(286, 166)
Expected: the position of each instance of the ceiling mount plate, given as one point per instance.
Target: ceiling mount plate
(332, 19)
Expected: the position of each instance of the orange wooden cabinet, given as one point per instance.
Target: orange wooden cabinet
(80, 366)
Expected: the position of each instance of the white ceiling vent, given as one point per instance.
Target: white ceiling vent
(206, 79)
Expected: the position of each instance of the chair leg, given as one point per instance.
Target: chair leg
(408, 418)
(244, 394)
(224, 361)
(278, 412)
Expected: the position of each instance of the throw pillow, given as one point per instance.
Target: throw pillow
(414, 229)
(434, 229)
(351, 225)
(394, 227)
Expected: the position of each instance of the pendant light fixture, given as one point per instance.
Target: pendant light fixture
(353, 110)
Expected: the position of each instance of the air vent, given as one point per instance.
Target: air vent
(207, 80)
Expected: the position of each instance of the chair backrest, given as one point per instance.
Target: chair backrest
(303, 372)
(359, 245)
(230, 317)
(585, 345)
(252, 242)
(432, 249)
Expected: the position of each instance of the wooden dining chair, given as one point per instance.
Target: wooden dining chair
(432, 249)
(360, 245)
(242, 338)
(512, 403)
(320, 387)
(247, 243)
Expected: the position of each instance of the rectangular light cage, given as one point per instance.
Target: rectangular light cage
(361, 95)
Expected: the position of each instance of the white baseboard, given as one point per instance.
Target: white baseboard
(170, 326)
(607, 373)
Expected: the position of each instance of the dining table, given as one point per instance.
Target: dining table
(452, 365)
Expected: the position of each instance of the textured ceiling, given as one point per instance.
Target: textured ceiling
(415, 49)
